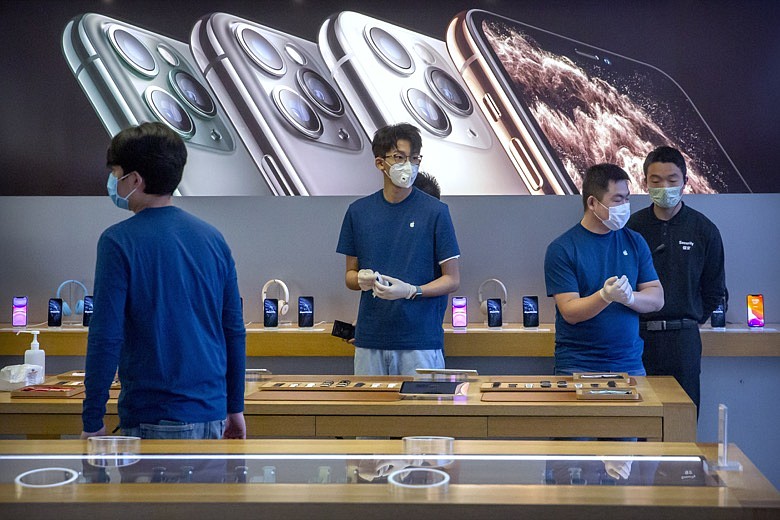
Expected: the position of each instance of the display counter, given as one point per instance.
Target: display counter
(477, 340)
(379, 479)
(663, 412)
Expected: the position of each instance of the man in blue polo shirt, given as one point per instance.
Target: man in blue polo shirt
(602, 277)
(402, 254)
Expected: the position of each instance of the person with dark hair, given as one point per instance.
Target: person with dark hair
(688, 256)
(402, 254)
(167, 308)
(428, 183)
(602, 277)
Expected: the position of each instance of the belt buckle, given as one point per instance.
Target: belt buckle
(656, 325)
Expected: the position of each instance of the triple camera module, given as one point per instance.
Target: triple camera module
(189, 92)
(298, 110)
(420, 104)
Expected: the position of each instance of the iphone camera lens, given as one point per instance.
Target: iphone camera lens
(297, 111)
(427, 111)
(169, 111)
(320, 92)
(390, 50)
(449, 91)
(133, 51)
(261, 51)
(193, 93)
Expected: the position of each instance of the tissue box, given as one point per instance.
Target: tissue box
(13, 377)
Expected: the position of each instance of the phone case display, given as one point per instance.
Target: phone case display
(580, 386)
(368, 389)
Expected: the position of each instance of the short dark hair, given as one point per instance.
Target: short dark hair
(666, 154)
(596, 180)
(385, 138)
(428, 183)
(153, 150)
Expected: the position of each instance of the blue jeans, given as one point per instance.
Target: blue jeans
(177, 430)
(380, 362)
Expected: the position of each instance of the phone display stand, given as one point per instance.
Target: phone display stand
(445, 374)
(723, 443)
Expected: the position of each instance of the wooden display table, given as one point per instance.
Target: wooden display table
(664, 413)
(500, 493)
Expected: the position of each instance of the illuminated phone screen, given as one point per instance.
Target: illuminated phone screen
(494, 315)
(755, 310)
(88, 308)
(592, 106)
(530, 311)
(55, 312)
(270, 312)
(19, 315)
(459, 311)
(306, 311)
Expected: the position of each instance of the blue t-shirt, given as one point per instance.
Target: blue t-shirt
(408, 240)
(579, 261)
(168, 314)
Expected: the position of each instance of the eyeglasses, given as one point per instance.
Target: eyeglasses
(401, 158)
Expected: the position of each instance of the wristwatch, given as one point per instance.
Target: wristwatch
(417, 292)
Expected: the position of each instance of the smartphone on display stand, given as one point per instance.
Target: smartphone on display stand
(290, 113)
(530, 312)
(19, 312)
(494, 313)
(89, 307)
(270, 313)
(718, 317)
(559, 106)
(131, 75)
(755, 310)
(306, 311)
(460, 317)
(391, 74)
(54, 315)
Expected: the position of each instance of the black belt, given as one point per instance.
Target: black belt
(668, 324)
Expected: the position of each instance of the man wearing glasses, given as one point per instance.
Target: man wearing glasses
(402, 254)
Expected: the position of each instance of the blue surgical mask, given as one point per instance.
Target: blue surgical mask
(120, 202)
(666, 197)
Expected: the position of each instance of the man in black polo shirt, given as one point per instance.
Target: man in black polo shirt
(688, 257)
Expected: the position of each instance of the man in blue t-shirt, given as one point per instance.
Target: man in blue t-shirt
(602, 277)
(167, 308)
(403, 255)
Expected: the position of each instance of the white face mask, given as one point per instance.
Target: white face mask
(666, 197)
(403, 175)
(618, 216)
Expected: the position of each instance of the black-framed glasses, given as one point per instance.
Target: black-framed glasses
(401, 158)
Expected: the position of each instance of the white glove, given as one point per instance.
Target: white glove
(396, 289)
(617, 290)
(366, 278)
(618, 469)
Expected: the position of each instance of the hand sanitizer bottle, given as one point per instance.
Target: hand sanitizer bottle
(35, 356)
